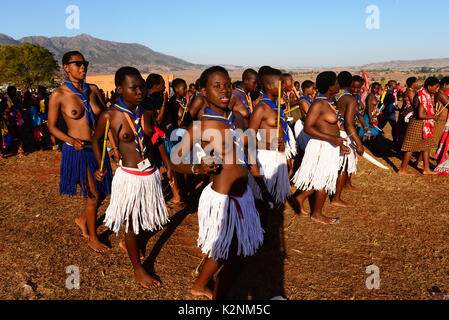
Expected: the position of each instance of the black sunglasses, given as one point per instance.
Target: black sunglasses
(80, 63)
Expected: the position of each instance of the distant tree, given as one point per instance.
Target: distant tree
(427, 70)
(27, 65)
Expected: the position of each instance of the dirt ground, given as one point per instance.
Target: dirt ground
(400, 224)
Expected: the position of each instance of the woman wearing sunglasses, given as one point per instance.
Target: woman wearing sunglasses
(79, 104)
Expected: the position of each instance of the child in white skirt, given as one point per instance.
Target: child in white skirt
(229, 224)
(137, 199)
(319, 168)
(272, 160)
(348, 106)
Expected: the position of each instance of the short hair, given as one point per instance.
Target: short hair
(207, 73)
(358, 78)
(411, 81)
(286, 75)
(296, 83)
(376, 84)
(344, 79)
(391, 81)
(431, 81)
(262, 71)
(325, 80)
(178, 82)
(153, 80)
(269, 72)
(68, 55)
(121, 74)
(10, 89)
(248, 73)
(444, 81)
(41, 88)
(306, 84)
(191, 85)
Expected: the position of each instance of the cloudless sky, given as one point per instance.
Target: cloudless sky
(282, 33)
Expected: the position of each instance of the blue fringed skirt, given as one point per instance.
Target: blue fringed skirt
(74, 166)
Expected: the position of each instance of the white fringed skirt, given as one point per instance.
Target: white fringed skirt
(302, 138)
(220, 215)
(319, 167)
(290, 147)
(137, 198)
(275, 174)
(348, 161)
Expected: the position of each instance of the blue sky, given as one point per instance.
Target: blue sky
(282, 33)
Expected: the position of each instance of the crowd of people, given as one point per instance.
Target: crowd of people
(23, 119)
(247, 144)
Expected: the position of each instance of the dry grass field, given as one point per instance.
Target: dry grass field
(399, 224)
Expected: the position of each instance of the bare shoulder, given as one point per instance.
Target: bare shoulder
(348, 98)
(110, 114)
(303, 103)
(349, 101)
(319, 107)
(93, 87)
(150, 115)
(260, 107)
(319, 104)
(57, 93)
(198, 101)
(444, 98)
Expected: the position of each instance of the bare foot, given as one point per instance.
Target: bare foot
(429, 172)
(351, 188)
(97, 246)
(304, 212)
(341, 204)
(300, 202)
(420, 166)
(145, 279)
(405, 173)
(200, 291)
(82, 224)
(123, 246)
(320, 218)
(177, 201)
